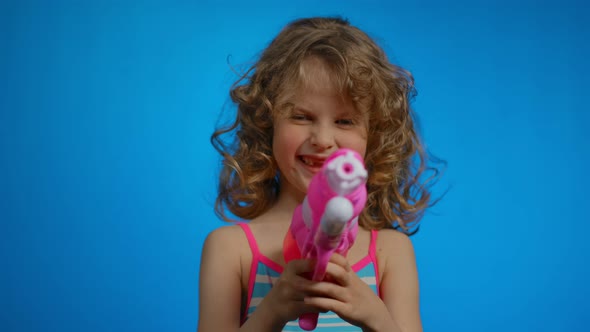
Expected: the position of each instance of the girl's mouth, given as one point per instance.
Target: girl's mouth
(312, 162)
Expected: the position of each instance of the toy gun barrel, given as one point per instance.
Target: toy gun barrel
(338, 212)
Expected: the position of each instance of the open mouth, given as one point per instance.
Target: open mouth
(312, 162)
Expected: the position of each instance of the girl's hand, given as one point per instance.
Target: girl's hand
(349, 297)
(285, 301)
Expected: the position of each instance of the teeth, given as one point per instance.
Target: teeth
(309, 162)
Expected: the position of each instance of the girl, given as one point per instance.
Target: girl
(321, 85)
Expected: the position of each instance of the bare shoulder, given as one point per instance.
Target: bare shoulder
(228, 244)
(391, 242)
(395, 254)
(399, 278)
(229, 237)
(220, 281)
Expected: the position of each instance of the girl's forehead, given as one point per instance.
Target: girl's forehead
(308, 92)
(312, 77)
(315, 73)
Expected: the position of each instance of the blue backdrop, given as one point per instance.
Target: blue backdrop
(108, 177)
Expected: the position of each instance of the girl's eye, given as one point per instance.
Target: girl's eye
(345, 122)
(299, 117)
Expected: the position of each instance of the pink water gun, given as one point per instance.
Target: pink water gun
(327, 220)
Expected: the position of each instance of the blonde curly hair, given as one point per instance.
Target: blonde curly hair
(396, 158)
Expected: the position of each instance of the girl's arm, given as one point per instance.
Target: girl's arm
(399, 279)
(220, 281)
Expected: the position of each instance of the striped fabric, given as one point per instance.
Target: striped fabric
(265, 272)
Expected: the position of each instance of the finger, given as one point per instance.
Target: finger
(326, 290)
(340, 260)
(299, 273)
(299, 266)
(338, 274)
(324, 304)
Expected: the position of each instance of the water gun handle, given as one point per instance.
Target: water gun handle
(308, 322)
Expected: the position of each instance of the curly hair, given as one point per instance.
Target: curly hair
(396, 158)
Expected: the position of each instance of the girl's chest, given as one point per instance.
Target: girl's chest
(270, 241)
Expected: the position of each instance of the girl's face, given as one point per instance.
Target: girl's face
(320, 122)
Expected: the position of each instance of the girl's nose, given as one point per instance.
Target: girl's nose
(322, 138)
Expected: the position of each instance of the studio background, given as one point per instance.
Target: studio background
(108, 178)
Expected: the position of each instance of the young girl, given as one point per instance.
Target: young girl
(322, 84)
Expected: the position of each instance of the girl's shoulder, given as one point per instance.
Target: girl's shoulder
(398, 280)
(220, 276)
(394, 249)
(392, 238)
(226, 242)
(225, 233)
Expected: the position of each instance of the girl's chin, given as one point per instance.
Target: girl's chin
(299, 188)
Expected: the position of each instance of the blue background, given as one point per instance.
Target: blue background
(108, 177)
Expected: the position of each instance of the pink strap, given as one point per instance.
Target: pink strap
(251, 239)
(373, 244)
(253, 266)
(373, 254)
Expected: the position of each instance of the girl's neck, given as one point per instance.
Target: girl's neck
(285, 205)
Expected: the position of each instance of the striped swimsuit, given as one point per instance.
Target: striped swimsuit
(264, 272)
